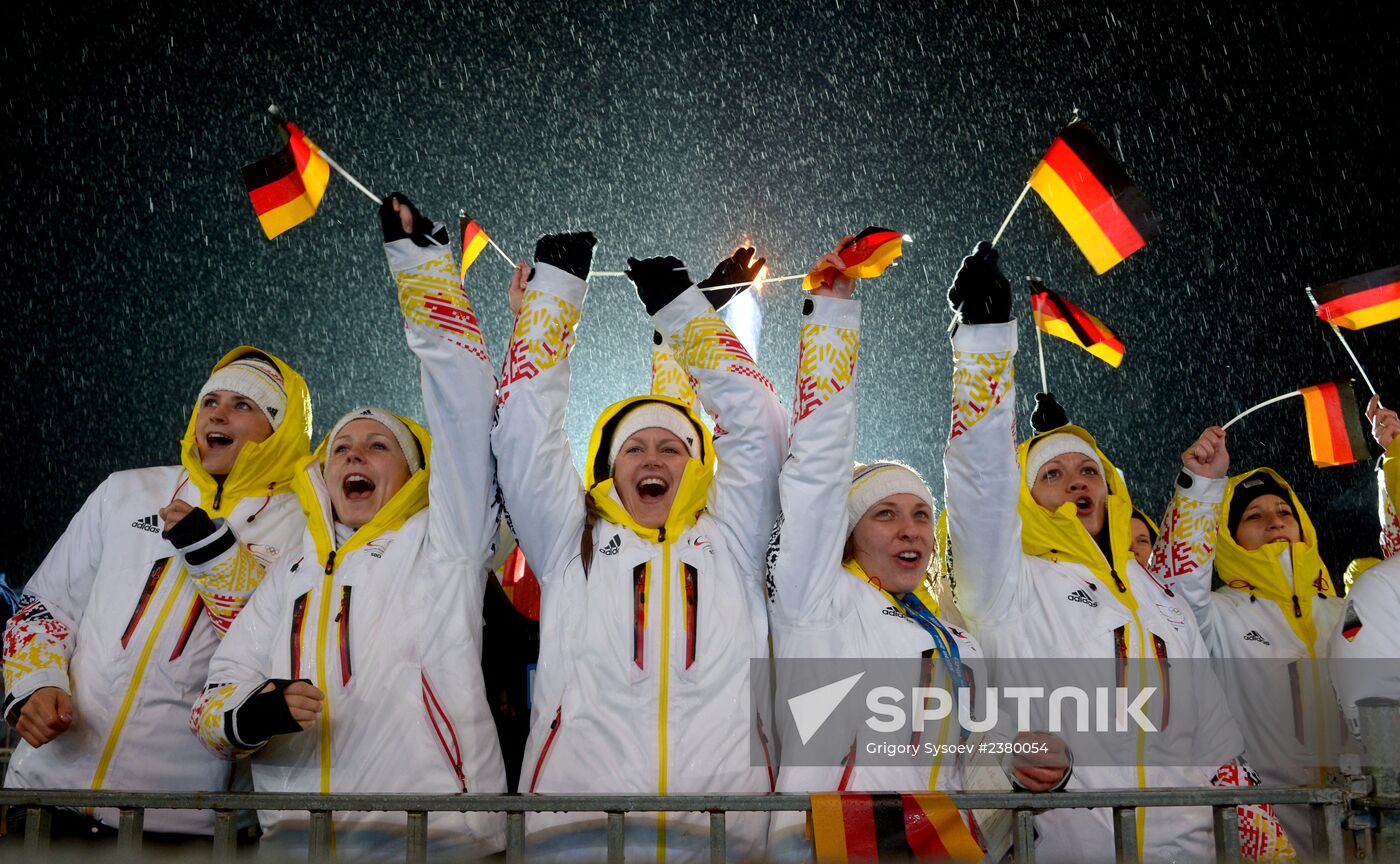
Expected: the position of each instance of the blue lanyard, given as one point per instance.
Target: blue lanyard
(943, 642)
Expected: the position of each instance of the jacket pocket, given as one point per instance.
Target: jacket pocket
(144, 601)
(298, 622)
(444, 730)
(548, 743)
(342, 621)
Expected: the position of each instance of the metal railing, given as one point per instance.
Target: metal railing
(1328, 804)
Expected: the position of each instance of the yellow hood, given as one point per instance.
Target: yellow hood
(1060, 536)
(263, 468)
(1261, 571)
(311, 490)
(692, 494)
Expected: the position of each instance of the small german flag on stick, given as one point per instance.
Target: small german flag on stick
(889, 826)
(473, 241)
(1335, 435)
(866, 256)
(1093, 197)
(1360, 301)
(1334, 425)
(1059, 317)
(286, 187)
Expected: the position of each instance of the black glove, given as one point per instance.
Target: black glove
(738, 267)
(190, 530)
(1047, 414)
(572, 253)
(265, 714)
(392, 224)
(981, 293)
(658, 280)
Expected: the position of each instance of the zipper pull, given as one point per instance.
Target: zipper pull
(330, 563)
(218, 493)
(1117, 583)
(661, 534)
(1297, 609)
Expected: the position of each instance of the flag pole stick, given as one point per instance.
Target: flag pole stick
(1040, 349)
(282, 121)
(1246, 412)
(1345, 344)
(996, 239)
(1014, 207)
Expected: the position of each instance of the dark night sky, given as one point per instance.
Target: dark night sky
(1264, 139)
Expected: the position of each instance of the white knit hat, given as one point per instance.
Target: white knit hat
(1057, 444)
(878, 481)
(412, 452)
(650, 415)
(256, 379)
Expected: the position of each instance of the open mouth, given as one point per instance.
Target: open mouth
(1083, 505)
(909, 557)
(217, 440)
(652, 489)
(357, 487)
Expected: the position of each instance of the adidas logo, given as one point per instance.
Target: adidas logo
(1082, 596)
(612, 546)
(892, 611)
(1253, 636)
(147, 523)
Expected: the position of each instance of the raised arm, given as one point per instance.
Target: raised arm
(541, 489)
(39, 639)
(459, 387)
(749, 423)
(1185, 550)
(804, 558)
(1385, 428)
(982, 479)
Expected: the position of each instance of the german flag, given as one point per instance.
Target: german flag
(1059, 317)
(473, 241)
(1334, 425)
(866, 256)
(888, 826)
(1361, 301)
(286, 187)
(1093, 197)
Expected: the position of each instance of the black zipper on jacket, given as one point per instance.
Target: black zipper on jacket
(1297, 608)
(1117, 583)
(330, 563)
(218, 493)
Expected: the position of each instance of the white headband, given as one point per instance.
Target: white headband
(1056, 444)
(256, 379)
(650, 415)
(878, 481)
(412, 453)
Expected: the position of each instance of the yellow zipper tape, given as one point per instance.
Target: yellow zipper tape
(137, 674)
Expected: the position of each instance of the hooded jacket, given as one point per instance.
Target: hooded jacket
(1388, 492)
(820, 609)
(387, 620)
(124, 623)
(1268, 624)
(1037, 590)
(1363, 647)
(643, 677)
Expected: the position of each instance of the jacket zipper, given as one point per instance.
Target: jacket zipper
(639, 613)
(662, 719)
(692, 613)
(452, 751)
(152, 580)
(342, 620)
(218, 493)
(298, 621)
(325, 720)
(191, 619)
(548, 742)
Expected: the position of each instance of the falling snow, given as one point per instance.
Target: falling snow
(1263, 136)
